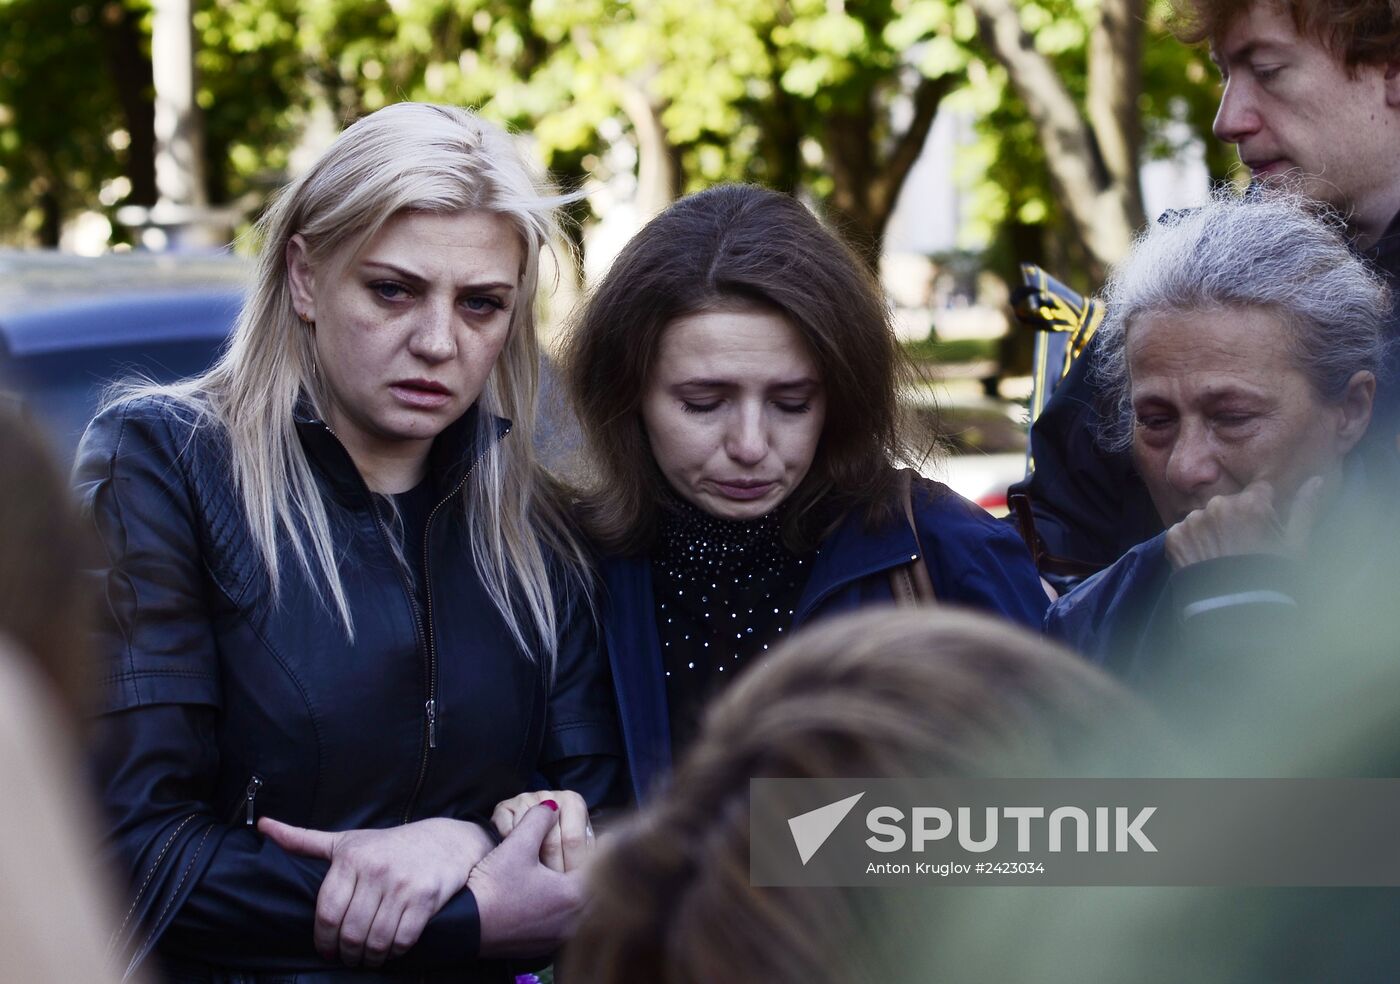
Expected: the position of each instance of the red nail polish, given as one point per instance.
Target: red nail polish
(551, 804)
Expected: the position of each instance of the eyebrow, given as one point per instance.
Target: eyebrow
(407, 274)
(1247, 52)
(805, 381)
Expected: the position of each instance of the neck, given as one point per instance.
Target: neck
(391, 467)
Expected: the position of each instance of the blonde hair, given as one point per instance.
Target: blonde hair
(405, 157)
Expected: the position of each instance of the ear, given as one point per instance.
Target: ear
(302, 278)
(1391, 77)
(1355, 409)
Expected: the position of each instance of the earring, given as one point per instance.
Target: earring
(306, 320)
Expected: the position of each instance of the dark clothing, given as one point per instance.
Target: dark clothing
(973, 560)
(725, 590)
(1090, 505)
(1152, 626)
(225, 704)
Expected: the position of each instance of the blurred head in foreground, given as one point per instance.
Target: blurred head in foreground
(44, 607)
(877, 694)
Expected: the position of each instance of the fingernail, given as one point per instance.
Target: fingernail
(551, 804)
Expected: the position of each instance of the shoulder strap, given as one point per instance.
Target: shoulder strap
(910, 582)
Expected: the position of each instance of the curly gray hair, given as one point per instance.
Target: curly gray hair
(1276, 251)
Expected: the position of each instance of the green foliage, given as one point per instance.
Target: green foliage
(57, 114)
(773, 91)
(1015, 210)
(955, 350)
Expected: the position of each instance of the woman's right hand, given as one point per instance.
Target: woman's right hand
(383, 885)
(569, 842)
(526, 908)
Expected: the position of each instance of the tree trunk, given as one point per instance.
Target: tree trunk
(1111, 103)
(1093, 164)
(867, 185)
(658, 164)
(130, 70)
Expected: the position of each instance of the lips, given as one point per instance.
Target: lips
(420, 393)
(1268, 167)
(744, 488)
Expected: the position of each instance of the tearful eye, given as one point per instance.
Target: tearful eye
(1152, 421)
(389, 290)
(484, 304)
(1232, 419)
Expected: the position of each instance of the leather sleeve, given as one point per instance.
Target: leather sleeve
(583, 744)
(210, 888)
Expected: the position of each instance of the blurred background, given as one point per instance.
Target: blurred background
(946, 140)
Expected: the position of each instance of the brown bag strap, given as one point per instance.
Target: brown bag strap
(910, 582)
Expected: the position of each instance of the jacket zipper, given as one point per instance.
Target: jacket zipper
(425, 633)
(430, 707)
(250, 797)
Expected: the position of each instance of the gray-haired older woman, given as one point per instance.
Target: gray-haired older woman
(1242, 345)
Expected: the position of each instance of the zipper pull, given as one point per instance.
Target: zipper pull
(254, 784)
(432, 723)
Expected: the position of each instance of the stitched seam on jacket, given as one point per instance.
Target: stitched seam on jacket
(125, 625)
(151, 936)
(157, 672)
(155, 866)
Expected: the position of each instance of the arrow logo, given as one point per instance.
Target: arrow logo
(810, 830)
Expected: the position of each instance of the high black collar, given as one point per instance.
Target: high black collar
(453, 453)
(1385, 254)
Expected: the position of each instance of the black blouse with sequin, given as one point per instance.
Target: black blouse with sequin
(725, 591)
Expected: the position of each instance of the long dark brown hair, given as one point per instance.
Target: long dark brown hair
(741, 247)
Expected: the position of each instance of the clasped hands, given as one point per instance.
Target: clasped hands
(1251, 521)
(384, 885)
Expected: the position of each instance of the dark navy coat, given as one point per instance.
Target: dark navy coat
(1141, 620)
(1090, 505)
(973, 561)
(224, 703)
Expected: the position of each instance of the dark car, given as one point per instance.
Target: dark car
(71, 326)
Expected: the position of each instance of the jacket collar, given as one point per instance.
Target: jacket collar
(453, 453)
(1385, 254)
(854, 551)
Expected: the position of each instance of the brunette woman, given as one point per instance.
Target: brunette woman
(736, 379)
(340, 591)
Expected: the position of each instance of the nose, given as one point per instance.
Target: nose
(746, 439)
(1236, 117)
(1192, 465)
(434, 337)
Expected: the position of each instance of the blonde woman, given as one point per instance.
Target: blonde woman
(341, 591)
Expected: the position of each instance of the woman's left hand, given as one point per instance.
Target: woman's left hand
(568, 842)
(383, 885)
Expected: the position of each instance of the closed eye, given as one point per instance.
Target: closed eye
(1232, 419)
(1153, 421)
(691, 407)
(802, 407)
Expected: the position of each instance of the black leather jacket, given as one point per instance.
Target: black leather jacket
(223, 705)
